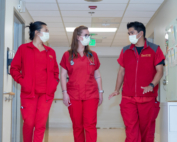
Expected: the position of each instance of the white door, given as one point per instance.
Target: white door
(16, 115)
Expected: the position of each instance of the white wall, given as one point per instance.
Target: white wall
(163, 18)
(9, 23)
(109, 112)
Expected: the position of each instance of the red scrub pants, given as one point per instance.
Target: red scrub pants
(35, 113)
(83, 114)
(139, 120)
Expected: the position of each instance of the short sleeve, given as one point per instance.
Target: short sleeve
(63, 61)
(159, 56)
(97, 61)
(120, 59)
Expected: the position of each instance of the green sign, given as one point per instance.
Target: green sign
(92, 42)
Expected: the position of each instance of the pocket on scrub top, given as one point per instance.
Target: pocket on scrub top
(90, 90)
(53, 86)
(73, 90)
(25, 86)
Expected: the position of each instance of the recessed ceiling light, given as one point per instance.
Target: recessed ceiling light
(71, 29)
(106, 24)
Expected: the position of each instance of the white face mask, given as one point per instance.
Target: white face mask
(85, 41)
(133, 39)
(45, 36)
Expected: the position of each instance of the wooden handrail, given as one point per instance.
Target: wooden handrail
(57, 99)
(9, 93)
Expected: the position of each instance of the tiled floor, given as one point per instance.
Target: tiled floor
(104, 135)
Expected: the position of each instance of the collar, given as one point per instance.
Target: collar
(31, 45)
(146, 44)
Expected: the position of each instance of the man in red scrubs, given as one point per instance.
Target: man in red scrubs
(141, 68)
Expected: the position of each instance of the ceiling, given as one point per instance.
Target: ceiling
(59, 14)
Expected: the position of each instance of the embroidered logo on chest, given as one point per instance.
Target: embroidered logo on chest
(145, 55)
(50, 56)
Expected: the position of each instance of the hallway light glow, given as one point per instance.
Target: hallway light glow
(71, 29)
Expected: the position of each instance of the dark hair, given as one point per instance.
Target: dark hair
(33, 27)
(74, 44)
(138, 26)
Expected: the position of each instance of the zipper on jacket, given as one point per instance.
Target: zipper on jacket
(136, 78)
(137, 71)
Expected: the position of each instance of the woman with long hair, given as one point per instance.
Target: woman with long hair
(35, 68)
(83, 93)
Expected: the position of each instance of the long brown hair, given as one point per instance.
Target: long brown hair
(74, 45)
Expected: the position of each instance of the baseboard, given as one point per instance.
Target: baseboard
(157, 137)
(99, 126)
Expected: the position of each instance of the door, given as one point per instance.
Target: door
(2, 25)
(16, 115)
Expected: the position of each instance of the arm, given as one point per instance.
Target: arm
(99, 82)
(156, 80)
(16, 66)
(63, 76)
(120, 78)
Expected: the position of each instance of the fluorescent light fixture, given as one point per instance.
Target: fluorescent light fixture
(71, 29)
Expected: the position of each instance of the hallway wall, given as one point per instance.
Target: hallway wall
(158, 24)
(11, 5)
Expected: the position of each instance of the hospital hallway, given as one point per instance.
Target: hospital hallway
(104, 135)
(105, 65)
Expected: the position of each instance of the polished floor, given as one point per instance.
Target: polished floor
(104, 135)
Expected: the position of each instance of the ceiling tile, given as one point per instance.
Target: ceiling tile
(48, 19)
(44, 13)
(100, 7)
(96, 14)
(40, 1)
(138, 14)
(85, 2)
(103, 26)
(41, 6)
(123, 27)
(77, 24)
(55, 25)
(56, 30)
(132, 19)
(146, 1)
(141, 7)
(77, 19)
(114, 20)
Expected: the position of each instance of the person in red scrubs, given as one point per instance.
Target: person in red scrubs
(83, 93)
(35, 68)
(141, 68)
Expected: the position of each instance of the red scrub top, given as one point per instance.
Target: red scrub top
(82, 84)
(40, 71)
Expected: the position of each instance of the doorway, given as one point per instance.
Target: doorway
(16, 115)
(2, 25)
